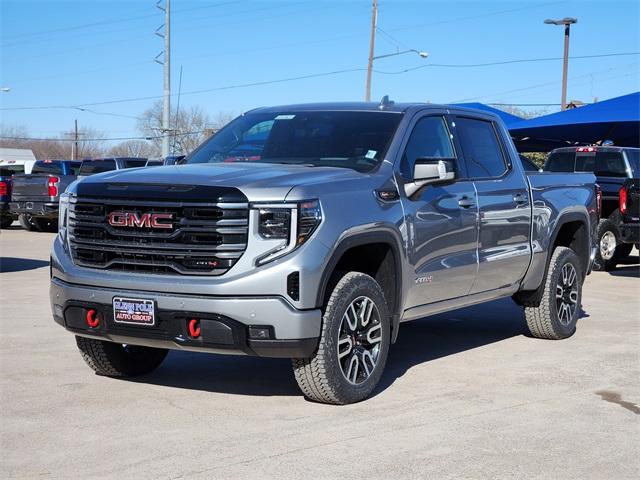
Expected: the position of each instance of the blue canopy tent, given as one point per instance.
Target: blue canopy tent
(617, 119)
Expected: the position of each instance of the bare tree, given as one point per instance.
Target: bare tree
(90, 144)
(188, 125)
(522, 113)
(134, 148)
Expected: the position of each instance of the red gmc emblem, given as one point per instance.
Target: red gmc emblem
(140, 220)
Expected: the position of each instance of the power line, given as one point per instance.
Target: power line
(546, 84)
(146, 137)
(51, 34)
(317, 75)
(474, 17)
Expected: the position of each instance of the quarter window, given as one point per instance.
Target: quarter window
(482, 151)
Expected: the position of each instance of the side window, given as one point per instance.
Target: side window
(482, 151)
(429, 138)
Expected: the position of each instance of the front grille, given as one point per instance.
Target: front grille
(202, 239)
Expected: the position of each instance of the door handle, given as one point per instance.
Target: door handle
(466, 202)
(520, 198)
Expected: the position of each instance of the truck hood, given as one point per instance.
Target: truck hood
(258, 181)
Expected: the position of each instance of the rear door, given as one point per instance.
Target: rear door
(441, 219)
(503, 203)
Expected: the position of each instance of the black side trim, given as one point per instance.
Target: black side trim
(358, 239)
(298, 348)
(528, 296)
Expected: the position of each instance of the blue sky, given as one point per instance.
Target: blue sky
(61, 53)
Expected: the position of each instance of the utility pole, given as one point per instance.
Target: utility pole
(74, 153)
(74, 137)
(166, 65)
(567, 21)
(372, 42)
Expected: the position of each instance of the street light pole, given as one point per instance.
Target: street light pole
(567, 21)
(372, 42)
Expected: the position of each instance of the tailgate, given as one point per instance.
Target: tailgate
(31, 188)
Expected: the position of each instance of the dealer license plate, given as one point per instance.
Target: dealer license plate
(134, 311)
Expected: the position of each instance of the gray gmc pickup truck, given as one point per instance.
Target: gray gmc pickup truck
(312, 232)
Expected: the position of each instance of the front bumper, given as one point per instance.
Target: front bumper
(224, 321)
(630, 232)
(47, 210)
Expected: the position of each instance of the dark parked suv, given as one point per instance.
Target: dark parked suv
(612, 166)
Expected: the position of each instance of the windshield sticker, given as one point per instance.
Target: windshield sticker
(285, 117)
(371, 154)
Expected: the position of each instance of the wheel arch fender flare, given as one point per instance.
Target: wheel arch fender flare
(350, 239)
(533, 295)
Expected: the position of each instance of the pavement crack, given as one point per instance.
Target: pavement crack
(615, 397)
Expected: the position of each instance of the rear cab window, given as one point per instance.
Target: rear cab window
(601, 163)
(562, 161)
(97, 166)
(48, 167)
(134, 163)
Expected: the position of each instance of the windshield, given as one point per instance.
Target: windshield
(356, 140)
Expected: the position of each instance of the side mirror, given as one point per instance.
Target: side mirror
(429, 170)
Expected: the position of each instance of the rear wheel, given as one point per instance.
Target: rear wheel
(28, 222)
(607, 237)
(118, 360)
(556, 315)
(353, 347)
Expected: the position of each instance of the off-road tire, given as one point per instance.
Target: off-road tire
(601, 264)
(117, 360)
(28, 223)
(320, 377)
(543, 318)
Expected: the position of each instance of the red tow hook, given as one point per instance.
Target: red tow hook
(92, 318)
(194, 328)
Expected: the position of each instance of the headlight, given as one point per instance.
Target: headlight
(289, 225)
(63, 210)
(309, 217)
(275, 223)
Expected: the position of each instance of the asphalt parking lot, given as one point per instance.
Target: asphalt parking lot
(465, 395)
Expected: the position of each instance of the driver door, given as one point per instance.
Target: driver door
(442, 219)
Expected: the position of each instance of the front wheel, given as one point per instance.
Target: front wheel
(354, 344)
(556, 315)
(118, 360)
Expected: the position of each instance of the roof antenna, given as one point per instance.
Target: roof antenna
(385, 102)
